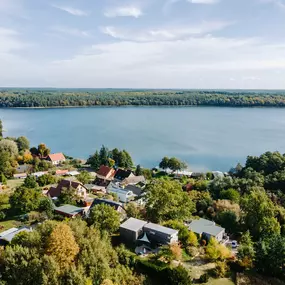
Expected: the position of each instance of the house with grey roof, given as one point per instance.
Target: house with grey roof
(7, 236)
(207, 229)
(131, 229)
(69, 211)
(138, 230)
(160, 234)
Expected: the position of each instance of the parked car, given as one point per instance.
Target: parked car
(234, 244)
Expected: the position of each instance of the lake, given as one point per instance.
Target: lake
(207, 138)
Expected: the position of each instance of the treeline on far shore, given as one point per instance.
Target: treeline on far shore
(65, 98)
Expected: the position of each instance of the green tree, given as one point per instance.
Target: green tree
(21, 265)
(246, 251)
(68, 196)
(84, 177)
(228, 220)
(43, 151)
(175, 164)
(9, 146)
(24, 200)
(1, 129)
(133, 210)
(6, 164)
(167, 201)
(47, 206)
(30, 182)
(139, 170)
(3, 179)
(23, 143)
(164, 164)
(104, 155)
(94, 161)
(270, 256)
(259, 214)
(230, 194)
(46, 179)
(105, 218)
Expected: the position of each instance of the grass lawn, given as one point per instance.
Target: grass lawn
(9, 224)
(220, 281)
(14, 183)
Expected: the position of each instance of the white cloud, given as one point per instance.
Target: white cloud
(203, 1)
(124, 11)
(71, 31)
(174, 64)
(71, 10)
(165, 33)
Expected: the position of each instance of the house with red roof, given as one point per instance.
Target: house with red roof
(56, 158)
(106, 173)
(78, 187)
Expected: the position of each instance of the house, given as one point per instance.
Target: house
(135, 189)
(207, 229)
(73, 173)
(124, 195)
(160, 234)
(81, 191)
(56, 158)
(20, 176)
(7, 236)
(218, 174)
(95, 188)
(122, 174)
(61, 172)
(69, 211)
(181, 173)
(132, 229)
(39, 174)
(23, 168)
(106, 173)
(116, 205)
(134, 180)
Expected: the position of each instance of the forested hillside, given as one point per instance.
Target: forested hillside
(84, 97)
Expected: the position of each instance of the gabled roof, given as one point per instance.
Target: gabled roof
(57, 157)
(134, 180)
(122, 174)
(205, 226)
(55, 191)
(105, 171)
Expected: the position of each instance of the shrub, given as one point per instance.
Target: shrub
(203, 278)
(221, 269)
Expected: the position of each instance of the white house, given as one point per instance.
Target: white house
(124, 195)
(56, 158)
(208, 229)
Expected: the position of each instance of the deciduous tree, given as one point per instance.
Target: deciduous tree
(62, 246)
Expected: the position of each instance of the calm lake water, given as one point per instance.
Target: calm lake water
(207, 138)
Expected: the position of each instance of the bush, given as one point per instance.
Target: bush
(203, 278)
(2, 215)
(221, 269)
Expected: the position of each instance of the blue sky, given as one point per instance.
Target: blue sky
(143, 43)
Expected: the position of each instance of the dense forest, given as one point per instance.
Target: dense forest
(109, 97)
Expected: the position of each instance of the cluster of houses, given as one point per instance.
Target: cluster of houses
(56, 159)
(127, 187)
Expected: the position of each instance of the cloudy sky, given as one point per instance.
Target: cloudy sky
(143, 43)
